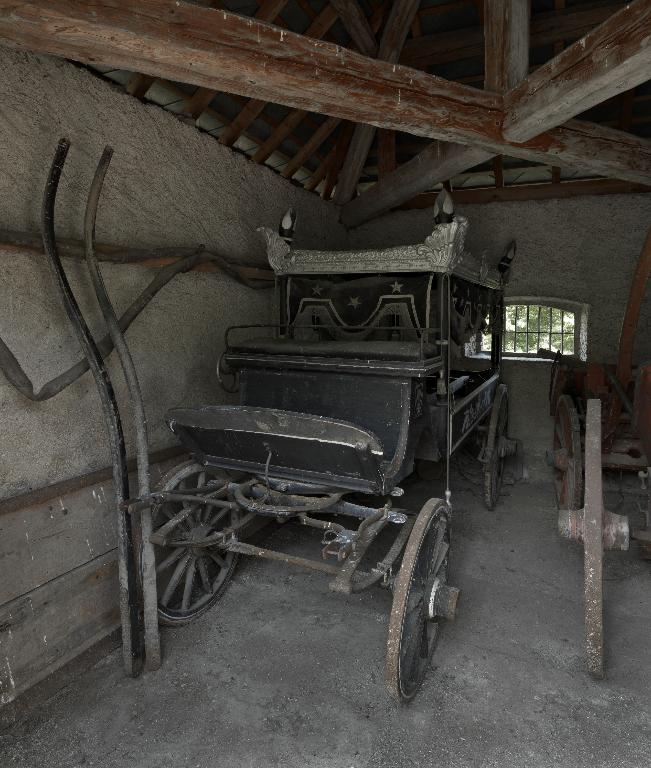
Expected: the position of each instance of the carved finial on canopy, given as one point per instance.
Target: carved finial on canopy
(504, 266)
(287, 226)
(443, 208)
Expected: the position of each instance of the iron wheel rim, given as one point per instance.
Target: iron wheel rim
(567, 455)
(413, 636)
(190, 578)
(494, 466)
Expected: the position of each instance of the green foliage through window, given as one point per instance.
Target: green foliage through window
(530, 327)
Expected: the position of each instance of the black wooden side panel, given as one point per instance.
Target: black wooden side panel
(374, 403)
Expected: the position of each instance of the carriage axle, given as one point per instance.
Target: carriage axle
(614, 528)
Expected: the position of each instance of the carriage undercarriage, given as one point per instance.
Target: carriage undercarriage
(202, 519)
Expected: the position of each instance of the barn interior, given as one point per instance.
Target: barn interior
(380, 126)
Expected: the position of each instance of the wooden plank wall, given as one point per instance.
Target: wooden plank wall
(58, 578)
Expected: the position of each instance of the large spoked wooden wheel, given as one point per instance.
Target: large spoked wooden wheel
(557, 382)
(567, 455)
(422, 600)
(191, 578)
(495, 447)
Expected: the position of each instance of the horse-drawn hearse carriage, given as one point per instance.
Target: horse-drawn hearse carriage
(363, 373)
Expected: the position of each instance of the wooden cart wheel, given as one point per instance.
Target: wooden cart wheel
(421, 600)
(494, 452)
(566, 457)
(593, 547)
(557, 382)
(597, 529)
(190, 579)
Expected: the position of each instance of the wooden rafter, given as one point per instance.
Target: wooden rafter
(197, 104)
(507, 60)
(199, 101)
(506, 34)
(612, 58)
(357, 25)
(270, 9)
(523, 192)
(245, 117)
(317, 177)
(321, 23)
(279, 135)
(393, 39)
(138, 85)
(358, 38)
(188, 43)
(310, 147)
(546, 29)
(386, 151)
(343, 142)
(439, 161)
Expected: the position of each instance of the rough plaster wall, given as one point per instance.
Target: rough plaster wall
(168, 184)
(175, 344)
(583, 249)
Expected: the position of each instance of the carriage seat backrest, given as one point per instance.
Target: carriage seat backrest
(379, 404)
(370, 307)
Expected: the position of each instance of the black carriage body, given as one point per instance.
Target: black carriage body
(364, 370)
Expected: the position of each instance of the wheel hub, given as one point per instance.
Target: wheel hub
(442, 600)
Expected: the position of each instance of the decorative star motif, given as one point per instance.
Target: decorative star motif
(354, 302)
(396, 287)
(316, 291)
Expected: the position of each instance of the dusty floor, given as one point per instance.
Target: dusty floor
(283, 673)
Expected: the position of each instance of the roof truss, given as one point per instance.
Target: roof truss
(217, 50)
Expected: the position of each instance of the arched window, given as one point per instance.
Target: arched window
(535, 325)
(541, 323)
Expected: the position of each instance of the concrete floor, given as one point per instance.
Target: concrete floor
(283, 673)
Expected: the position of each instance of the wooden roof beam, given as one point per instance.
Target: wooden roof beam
(547, 28)
(506, 34)
(200, 100)
(343, 142)
(440, 161)
(507, 62)
(357, 25)
(386, 152)
(613, 58)
(393, 39)
(187, 43)
(540, 191)
(317, 29)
